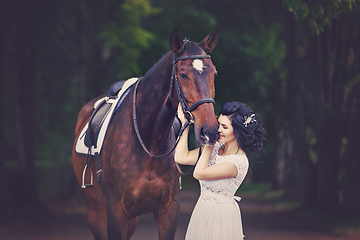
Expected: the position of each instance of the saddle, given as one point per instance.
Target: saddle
(102, 109)
(92, 136)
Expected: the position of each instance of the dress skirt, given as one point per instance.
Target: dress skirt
(215, 219)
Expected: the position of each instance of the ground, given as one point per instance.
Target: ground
(67, 220)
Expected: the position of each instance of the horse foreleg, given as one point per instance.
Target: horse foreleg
(167, 220)
(118, 222)
(97, 220)
(116, 229)
(132, 227)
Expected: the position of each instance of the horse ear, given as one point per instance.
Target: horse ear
(209, 42)
(176, 42)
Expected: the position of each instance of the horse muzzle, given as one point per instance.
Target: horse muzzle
(208, 135)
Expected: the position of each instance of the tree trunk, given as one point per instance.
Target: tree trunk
(300, 170)
(283, 149)
(351, 196)
(4, 203)
(328, 166)
(25, 104)
(326, 119)
(80, 64)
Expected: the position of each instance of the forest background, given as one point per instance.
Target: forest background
(295, 62)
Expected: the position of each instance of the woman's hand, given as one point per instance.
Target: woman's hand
(182, 154)
(181, 115)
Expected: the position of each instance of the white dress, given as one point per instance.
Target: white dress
(216, 215)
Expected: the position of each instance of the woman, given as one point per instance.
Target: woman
(220, 170)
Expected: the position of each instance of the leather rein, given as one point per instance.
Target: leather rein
(186, 109)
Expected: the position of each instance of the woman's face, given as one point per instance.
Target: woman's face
(226, 131)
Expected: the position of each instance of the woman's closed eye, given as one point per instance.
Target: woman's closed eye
(224, 126)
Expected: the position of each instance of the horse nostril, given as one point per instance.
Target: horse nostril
(204, 136)
(207, 136)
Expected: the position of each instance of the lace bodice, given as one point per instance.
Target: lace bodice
(223, 190)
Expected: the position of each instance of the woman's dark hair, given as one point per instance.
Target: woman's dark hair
(247, 125)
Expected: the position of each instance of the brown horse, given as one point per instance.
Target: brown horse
(134, 180)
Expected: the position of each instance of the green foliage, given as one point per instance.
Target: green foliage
(126, 37)
(318, 14)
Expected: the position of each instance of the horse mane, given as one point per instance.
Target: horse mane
(192, 48)
(155, 68)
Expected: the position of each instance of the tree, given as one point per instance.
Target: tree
(299, 174)
(25, 100)
(3, 192)
(327, 51)
(350, 151)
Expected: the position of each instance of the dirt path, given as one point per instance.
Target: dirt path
(261, 222)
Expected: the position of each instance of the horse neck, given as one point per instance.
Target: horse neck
(154, 108)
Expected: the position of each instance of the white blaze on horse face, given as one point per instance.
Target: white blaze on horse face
(198, 65)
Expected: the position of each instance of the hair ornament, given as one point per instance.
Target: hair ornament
(249, 120)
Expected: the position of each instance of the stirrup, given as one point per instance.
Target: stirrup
(83, 185)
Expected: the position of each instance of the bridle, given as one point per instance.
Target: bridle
(186, 109)
(174, 79)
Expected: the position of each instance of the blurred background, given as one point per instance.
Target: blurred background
(295, 62)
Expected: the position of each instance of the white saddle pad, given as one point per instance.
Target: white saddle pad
(80, 146)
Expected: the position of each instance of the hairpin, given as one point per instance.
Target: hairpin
(249, 120)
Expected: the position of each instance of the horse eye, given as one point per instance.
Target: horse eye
(183, 76)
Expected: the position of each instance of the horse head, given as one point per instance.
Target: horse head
(194, 75)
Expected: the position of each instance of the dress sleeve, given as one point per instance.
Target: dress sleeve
(214, 154)
(241, 162)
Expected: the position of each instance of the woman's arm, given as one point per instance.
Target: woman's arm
(182, 154)
(223, 170)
